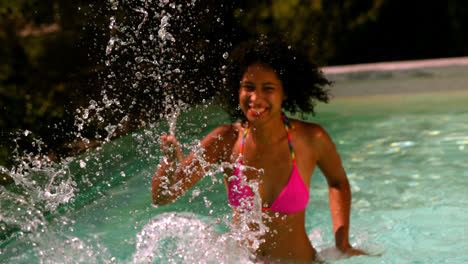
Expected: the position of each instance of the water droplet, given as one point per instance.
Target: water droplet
(138, 75)
(225, 55)
(92, 104)
(82, 164)
(112, 23)
(110, 45)
(85, 114)
(114, 4)
(139, 59)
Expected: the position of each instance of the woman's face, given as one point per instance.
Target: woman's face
(261, 93)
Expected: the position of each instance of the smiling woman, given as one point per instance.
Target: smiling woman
(261, 91)
(263, 79)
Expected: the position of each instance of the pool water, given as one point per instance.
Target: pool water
(405, 156)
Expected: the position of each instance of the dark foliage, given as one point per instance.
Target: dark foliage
(53, 54)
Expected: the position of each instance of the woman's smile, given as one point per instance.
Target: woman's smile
(256, 111)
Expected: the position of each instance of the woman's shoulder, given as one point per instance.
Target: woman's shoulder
(226, 133)
(310, 132)
(229, 129)
(221, 140)
(309, 128)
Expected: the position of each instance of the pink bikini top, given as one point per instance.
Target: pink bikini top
(292, 199)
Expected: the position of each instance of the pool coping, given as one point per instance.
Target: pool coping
(396, 65)
(400, 77)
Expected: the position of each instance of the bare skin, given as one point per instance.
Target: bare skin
(266, 146)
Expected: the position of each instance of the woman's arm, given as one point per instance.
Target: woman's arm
(339, 190)
(176, 174)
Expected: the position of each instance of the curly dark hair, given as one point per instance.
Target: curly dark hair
(303, 82)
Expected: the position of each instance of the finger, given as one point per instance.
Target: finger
(166, 140)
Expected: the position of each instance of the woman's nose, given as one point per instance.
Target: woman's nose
(255, 95)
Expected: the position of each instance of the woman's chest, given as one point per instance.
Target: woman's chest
(275, 161)
(272, 167)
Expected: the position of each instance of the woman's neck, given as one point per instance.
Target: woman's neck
(268, 132)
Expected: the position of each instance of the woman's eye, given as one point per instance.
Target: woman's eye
(269, 88)
(247, 87)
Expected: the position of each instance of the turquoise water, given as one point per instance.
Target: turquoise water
(406, 160)
(405, 157)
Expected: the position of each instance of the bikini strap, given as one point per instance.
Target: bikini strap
(241, 151)
(287, 126)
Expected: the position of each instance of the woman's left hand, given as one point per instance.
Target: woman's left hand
(353, 252)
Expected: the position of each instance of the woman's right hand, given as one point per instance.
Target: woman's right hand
(171, 148)
(179, 173)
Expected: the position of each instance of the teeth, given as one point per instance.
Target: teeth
(258, 110)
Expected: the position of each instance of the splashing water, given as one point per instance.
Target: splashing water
(36, 216)
(172, 112)
(40, 188)
(189, 240)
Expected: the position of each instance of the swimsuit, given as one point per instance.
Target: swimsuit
(292, 199)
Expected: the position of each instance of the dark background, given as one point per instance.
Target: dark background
(53, 54)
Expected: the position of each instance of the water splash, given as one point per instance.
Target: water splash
(162, 32)
(144, 55)
(246, 231)
(41, 182)
(172, 111)
(183, 238)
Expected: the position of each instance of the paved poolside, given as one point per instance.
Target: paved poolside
(402, 77)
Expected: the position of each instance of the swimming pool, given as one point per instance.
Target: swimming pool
(405, 155)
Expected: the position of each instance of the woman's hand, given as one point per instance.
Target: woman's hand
(176, 174)
(166, 175)
(353, 252)
(343, 245)
(335, 253)
(171, 148)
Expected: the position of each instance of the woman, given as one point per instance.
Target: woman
(262, 79)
